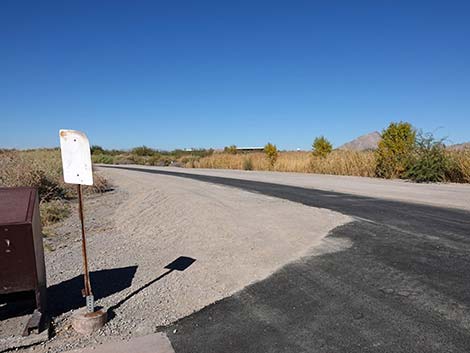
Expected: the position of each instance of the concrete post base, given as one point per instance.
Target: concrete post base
(86, 323)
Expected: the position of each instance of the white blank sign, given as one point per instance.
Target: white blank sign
(76, 157)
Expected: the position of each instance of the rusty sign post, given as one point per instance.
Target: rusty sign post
(77, 167)
(87, 293)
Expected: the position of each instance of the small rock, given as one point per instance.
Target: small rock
(358, 315)
(404, 293)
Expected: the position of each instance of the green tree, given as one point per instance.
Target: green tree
(321, 147)
(271, 153)
(395, 150)
(95, 149)
(231, 149)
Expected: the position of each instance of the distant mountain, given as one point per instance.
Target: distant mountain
(460, 146)
(363, 143)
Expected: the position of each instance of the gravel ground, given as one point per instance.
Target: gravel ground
(235, 237)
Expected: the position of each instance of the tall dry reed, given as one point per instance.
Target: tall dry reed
(337, 162)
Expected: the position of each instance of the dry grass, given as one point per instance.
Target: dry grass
(54, 211)
(345, 163)
(461, 163)
(42, 168)
(338, 162)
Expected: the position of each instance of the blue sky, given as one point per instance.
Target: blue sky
(171, 74)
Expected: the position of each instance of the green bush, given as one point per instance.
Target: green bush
(271, 153)
(143, 151)
(395, 150)
(95, 149)
(430, 161)
(321, 147)
(102, 159)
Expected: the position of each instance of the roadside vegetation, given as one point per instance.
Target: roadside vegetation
(272, 154)
(148, 156)
(42, 168)
(403, 153)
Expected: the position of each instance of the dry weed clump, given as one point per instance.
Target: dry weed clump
(39, 168)
(460, 162)
(53, 211)
(42, 169)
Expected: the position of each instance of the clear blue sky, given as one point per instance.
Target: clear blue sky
(200, 73)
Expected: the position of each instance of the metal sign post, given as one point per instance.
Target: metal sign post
(87, 293)
(76, 163)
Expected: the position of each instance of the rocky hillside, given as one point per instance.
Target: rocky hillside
(362, 143)
(460, 146)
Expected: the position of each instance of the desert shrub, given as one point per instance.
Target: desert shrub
(187, 161)
(48, 188)
(231, 149)
(102, 159)
(321, 147)
(100, 184)
(53, 212)
(153, 160)
(395, 149)
(95, 149)
(248, 164)
(143, 151)
(124, 158)
(429, 161)
(137, 159)
(271, 153)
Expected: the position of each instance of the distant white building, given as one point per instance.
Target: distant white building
(250, 149)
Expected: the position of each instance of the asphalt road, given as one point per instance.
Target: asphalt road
(403, 285)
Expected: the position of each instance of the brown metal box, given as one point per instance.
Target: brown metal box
(21, 250)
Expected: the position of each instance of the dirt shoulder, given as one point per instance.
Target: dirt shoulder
(439, 194)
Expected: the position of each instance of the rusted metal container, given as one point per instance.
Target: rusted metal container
(22, 267)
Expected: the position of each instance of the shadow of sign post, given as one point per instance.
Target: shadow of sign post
(180, 264)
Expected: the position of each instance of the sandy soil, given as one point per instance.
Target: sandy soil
(235, 238)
